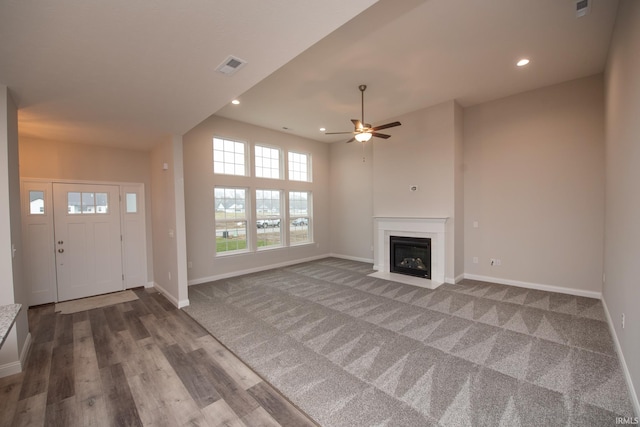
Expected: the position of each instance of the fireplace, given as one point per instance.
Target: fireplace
(410, 255)
(423, 228)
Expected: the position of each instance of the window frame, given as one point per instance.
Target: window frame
(245, 154)
(280, 160)
(247, 220)
(309, 171)
(292, 217)
(273, 220)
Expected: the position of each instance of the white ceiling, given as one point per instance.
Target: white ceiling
(127, 73)
(415, 53)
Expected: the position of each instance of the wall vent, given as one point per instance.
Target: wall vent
(583, 7)
(230, 65)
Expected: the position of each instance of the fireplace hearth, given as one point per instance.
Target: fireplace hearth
(410, 255)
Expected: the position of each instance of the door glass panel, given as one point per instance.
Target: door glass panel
(73, 203)
(132, 202)
(36, 202)
(102, 203)
(88, 203)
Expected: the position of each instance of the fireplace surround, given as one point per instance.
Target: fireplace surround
(432, 228)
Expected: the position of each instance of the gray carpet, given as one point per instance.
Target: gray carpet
(351, 350)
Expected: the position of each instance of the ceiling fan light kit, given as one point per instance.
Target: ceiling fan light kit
(363, 137)
(363, 130)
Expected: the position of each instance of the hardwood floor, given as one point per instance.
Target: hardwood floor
(138, 363)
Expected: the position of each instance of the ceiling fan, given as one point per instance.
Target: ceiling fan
(363, 131)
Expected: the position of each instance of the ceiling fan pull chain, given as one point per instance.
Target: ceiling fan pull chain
(363, 151)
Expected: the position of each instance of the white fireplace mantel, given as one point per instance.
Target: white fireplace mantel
(432, 228)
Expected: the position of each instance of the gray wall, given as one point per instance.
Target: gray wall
(534, 182)
(168, 220)
(421, 152)
(622, 227)
(11, 279)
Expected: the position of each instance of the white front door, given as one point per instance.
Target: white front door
(88, 243)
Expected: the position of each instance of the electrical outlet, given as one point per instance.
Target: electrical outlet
(622, 320)
(169, 275)
(189, 264)
(498, 262)
(475, 259)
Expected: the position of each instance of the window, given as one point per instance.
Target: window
(230, 219)
(229, 157)
(268, 218)
(36, 202)
(299, 217)
(267, 161)
(87, 203)
(131, 200)
(299, 167)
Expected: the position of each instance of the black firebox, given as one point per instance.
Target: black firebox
(410, 255)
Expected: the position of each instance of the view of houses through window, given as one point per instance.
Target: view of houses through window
(269, 220)
(299, 209)
(277, 217)
(231, 219)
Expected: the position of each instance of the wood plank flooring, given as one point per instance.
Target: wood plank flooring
(139, 363)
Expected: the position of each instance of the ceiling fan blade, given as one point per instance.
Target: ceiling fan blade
(337, 133)
(387, 126)
(357, 123)
(381, 135)
(351, 140)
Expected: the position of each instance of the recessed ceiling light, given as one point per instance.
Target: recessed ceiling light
(522, 62)
(322, 129)
(235, 102)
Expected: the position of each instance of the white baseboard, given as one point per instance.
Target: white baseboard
(537, 286)
(623, 363)
(16, 367)
(171, 298)
(456, 280)
(253, 270)
(352, 258)
(11, 368)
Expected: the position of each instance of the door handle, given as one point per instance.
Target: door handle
(60, 250)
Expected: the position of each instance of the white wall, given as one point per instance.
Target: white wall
(421, 152)
(11, 280)
(168, 221)
(48, 159)
(200, 182)
(534, 182)
(622, 256)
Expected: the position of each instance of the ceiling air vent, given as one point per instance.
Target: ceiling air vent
(583, 7)
(231, 65)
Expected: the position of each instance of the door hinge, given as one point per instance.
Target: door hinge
(121, 237)
(123, 277)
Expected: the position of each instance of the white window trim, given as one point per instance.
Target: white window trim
(281, 162)
(247, 156)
